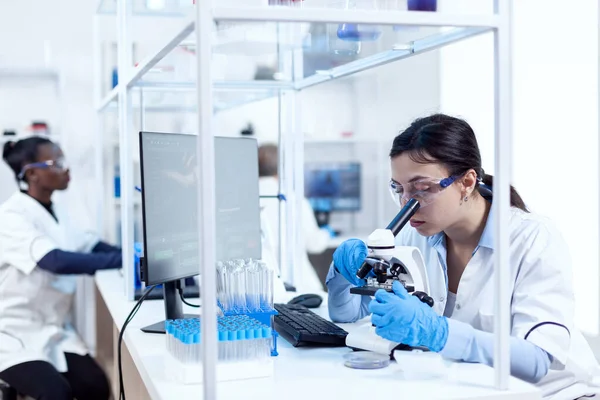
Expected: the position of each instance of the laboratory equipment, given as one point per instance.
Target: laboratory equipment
(301, 327)
(244, 287)
(389, 263)
(332, 187)
(240, 338)
(169, 209)
(422, 5)
(244, 349)
(386, 262)
(366, 360)
(357, 32)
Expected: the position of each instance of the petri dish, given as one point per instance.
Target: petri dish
(366, 360)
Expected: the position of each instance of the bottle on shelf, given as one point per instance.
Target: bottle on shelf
(422, 5)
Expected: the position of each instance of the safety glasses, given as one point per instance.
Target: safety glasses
(59, 164)
(425, 191)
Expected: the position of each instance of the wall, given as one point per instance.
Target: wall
(555, 136)
(71, 54)
(319, 118)
(388, 99)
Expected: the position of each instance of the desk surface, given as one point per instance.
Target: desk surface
(300, 373)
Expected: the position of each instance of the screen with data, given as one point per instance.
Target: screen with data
(170, 203)
(333, 186)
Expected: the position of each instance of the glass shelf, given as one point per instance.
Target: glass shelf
(168, 101)
(169, 8)
(254, 55)
(251, 54)
(158, 8)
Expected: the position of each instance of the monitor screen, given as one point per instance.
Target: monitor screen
(170, 208)
(332, 186)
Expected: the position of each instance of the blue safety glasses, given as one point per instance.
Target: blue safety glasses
(59, 165)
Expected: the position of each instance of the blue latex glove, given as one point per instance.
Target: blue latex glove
(348, 258)
(403, 318)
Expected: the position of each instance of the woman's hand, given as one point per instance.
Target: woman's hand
(348, 258)
(403, 318)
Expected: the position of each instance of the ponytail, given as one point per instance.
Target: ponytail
(515, 198)
(8, 147)
(25, 151)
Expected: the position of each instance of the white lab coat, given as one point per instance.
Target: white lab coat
(315, 238)
(542, 305)
(35, 304)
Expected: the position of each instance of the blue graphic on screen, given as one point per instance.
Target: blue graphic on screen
(332, 186)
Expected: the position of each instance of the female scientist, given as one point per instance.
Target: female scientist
(41, 254)
(437, 162)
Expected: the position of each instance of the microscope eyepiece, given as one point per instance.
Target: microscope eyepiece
(405, 214)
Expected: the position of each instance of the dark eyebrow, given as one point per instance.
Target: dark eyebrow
(415, 178)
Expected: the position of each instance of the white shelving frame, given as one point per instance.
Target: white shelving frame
(206, 13)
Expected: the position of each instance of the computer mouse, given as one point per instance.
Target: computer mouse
(307, 300)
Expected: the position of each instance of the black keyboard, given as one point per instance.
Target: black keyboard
(302, 327)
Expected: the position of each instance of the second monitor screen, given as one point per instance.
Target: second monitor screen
(333, 186)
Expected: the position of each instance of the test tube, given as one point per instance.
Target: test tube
(253, 286)
(240, 280)
(267, 286)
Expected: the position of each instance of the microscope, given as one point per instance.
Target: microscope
(386, 263)
(389, 263)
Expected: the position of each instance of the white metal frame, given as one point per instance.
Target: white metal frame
(501, 204)
(206, 13)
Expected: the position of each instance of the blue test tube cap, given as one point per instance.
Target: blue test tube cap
(266, 332)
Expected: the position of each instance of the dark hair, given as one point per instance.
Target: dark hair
(450, 141)
(25, 151)
(268, 159)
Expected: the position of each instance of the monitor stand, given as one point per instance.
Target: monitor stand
(322, 218)
(173, 308)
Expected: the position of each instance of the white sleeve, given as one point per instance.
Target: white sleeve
(84, 241)
(22, 245)
(315, 238)
(543, 302)
(80, 240)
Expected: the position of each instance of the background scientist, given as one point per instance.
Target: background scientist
(436, 160)
(41, 253)
(315, 239)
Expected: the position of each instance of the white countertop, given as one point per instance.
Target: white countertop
(300, 373)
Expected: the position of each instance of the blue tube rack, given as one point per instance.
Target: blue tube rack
(235, 334)
(264, 316)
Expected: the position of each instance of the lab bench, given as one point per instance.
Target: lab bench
(299, 373)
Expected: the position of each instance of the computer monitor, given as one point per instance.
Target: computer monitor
(170, 209)
(332, 186)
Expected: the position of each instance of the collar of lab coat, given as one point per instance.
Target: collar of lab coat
(48, 207)
(438, 241)
(32, 206)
